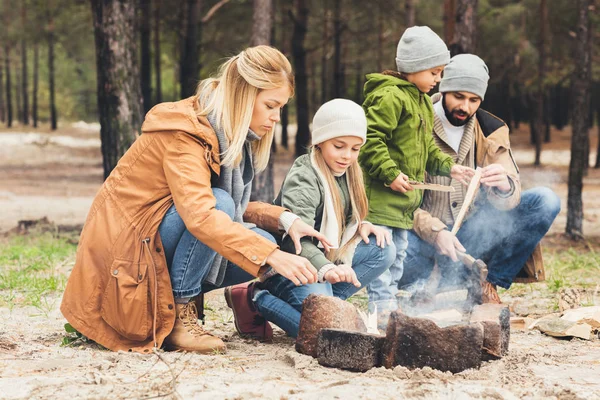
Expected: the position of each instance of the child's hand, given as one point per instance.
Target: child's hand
(401, 184)
(462, 174)
(383, 236)
(341, 273)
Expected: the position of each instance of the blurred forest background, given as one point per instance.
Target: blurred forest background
(112, 60)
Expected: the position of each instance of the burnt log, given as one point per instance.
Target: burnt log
(495, 319)
(355, 351)
(320, 312)
(417, 343)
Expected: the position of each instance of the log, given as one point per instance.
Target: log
(469, 198)
(354, 351)
(587, 315)
(418, 343)
(495, 319)
(568, 298)
(444, 318)
(319, 312)
(561, 328)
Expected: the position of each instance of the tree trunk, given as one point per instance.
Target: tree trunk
(283, 9)
(119, 92)
(263, 188)
(2, 105)
(24, 88)
(380, 35)
(145, 71)
(18, 88)
(9, 108)
(358, 96)
(190, 56)
(324, 50)
(157, 82)
(409, 13)
(299, 55)
(449, 20)
(36, 72)
(465, 29)
(580, 88)
(338, 77)
(538, 114)
(53, 117)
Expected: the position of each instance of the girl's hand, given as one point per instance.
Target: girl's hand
(462, 174)
(400, 184)
(383, 236)
(299, 229)
(297, 269)
(341, 273)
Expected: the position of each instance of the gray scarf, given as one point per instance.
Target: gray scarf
(237, 181)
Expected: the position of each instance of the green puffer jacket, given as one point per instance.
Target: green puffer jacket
(399, 124)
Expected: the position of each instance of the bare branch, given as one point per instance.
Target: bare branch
(213, 10)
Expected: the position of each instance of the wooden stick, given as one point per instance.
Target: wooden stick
(431, 186)
(469, 198)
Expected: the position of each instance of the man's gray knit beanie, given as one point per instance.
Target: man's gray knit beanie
(420, 49)
(465, 73)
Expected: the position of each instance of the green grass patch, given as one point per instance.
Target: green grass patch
(572, 268)
(33, 267)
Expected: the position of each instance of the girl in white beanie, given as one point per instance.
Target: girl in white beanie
(325, 189)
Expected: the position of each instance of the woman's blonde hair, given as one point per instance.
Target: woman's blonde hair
(232, 93)
(358, 199)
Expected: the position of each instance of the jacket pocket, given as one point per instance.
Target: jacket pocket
(126, 302)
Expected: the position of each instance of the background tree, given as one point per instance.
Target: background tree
(300, 24)
(190, 52)
(51, 72)
(24, 71)
(145, 63)
(119, 93)
(581, 89)
(465, 27)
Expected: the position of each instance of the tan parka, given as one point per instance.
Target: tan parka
(119, 292)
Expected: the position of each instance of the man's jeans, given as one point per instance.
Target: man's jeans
(384, 287)
(189, 260)
(504, 240)
(280, 301)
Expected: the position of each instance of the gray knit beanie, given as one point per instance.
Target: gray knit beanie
(339, 117)
(420, 49)
(465, 73)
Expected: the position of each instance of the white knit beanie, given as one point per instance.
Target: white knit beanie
(339, 117)
(420, 49)
(465, 73)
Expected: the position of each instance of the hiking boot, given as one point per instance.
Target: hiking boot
(489, 294)
(188, 335)
(248, 322)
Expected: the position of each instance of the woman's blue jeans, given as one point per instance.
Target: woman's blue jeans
(280, 301)
(189, 260)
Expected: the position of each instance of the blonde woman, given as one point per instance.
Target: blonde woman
(174, 220)
(325, 189)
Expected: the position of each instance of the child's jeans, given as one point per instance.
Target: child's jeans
(385, 286)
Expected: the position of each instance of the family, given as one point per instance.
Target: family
(174, 218)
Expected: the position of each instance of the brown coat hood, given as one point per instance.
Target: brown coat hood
(119, 293)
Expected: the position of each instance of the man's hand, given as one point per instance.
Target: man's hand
(400, 184)
(341, 273)
(494, 175)
(383, 236)
(462, 174)
(297, 269)
(299, 229)
(446, 244)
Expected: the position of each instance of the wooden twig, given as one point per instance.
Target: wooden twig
(213, 10)
(431, 186)
(469, 198)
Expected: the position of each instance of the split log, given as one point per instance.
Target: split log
(587, 315)
(444, 318)
(561, 328)
(418, 343)
(469, 198)
(520, 323)
(354, 351)
(495, 319)
(319, 312)
(431, 186)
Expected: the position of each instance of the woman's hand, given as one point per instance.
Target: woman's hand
(400, 184)
(383, 236)
(299, 229)
(462, 174)
(297, 269)
(341, 273)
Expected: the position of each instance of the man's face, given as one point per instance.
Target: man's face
(460, 106)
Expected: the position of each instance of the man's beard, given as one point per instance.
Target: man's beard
(451, 115)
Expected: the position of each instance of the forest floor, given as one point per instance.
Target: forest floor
(56, 175)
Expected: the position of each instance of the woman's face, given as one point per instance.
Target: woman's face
(267, 109)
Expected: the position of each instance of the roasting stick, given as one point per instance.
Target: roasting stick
(431, 186)
(469, 198)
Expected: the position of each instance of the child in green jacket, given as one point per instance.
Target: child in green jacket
(399, 146)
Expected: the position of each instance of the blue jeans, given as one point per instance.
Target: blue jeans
(280, 301)
(385, 286)
(189, 260)
(504, 240)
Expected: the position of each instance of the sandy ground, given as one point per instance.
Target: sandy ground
(57, 174)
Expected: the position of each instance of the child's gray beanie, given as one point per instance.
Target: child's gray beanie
(420, 49)
(465, 73)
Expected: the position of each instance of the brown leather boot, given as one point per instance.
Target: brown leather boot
(188, 335)
(489, 294)
(248, 322)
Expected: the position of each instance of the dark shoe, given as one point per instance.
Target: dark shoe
(187, 335)
(248, 322)
(489, 294)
